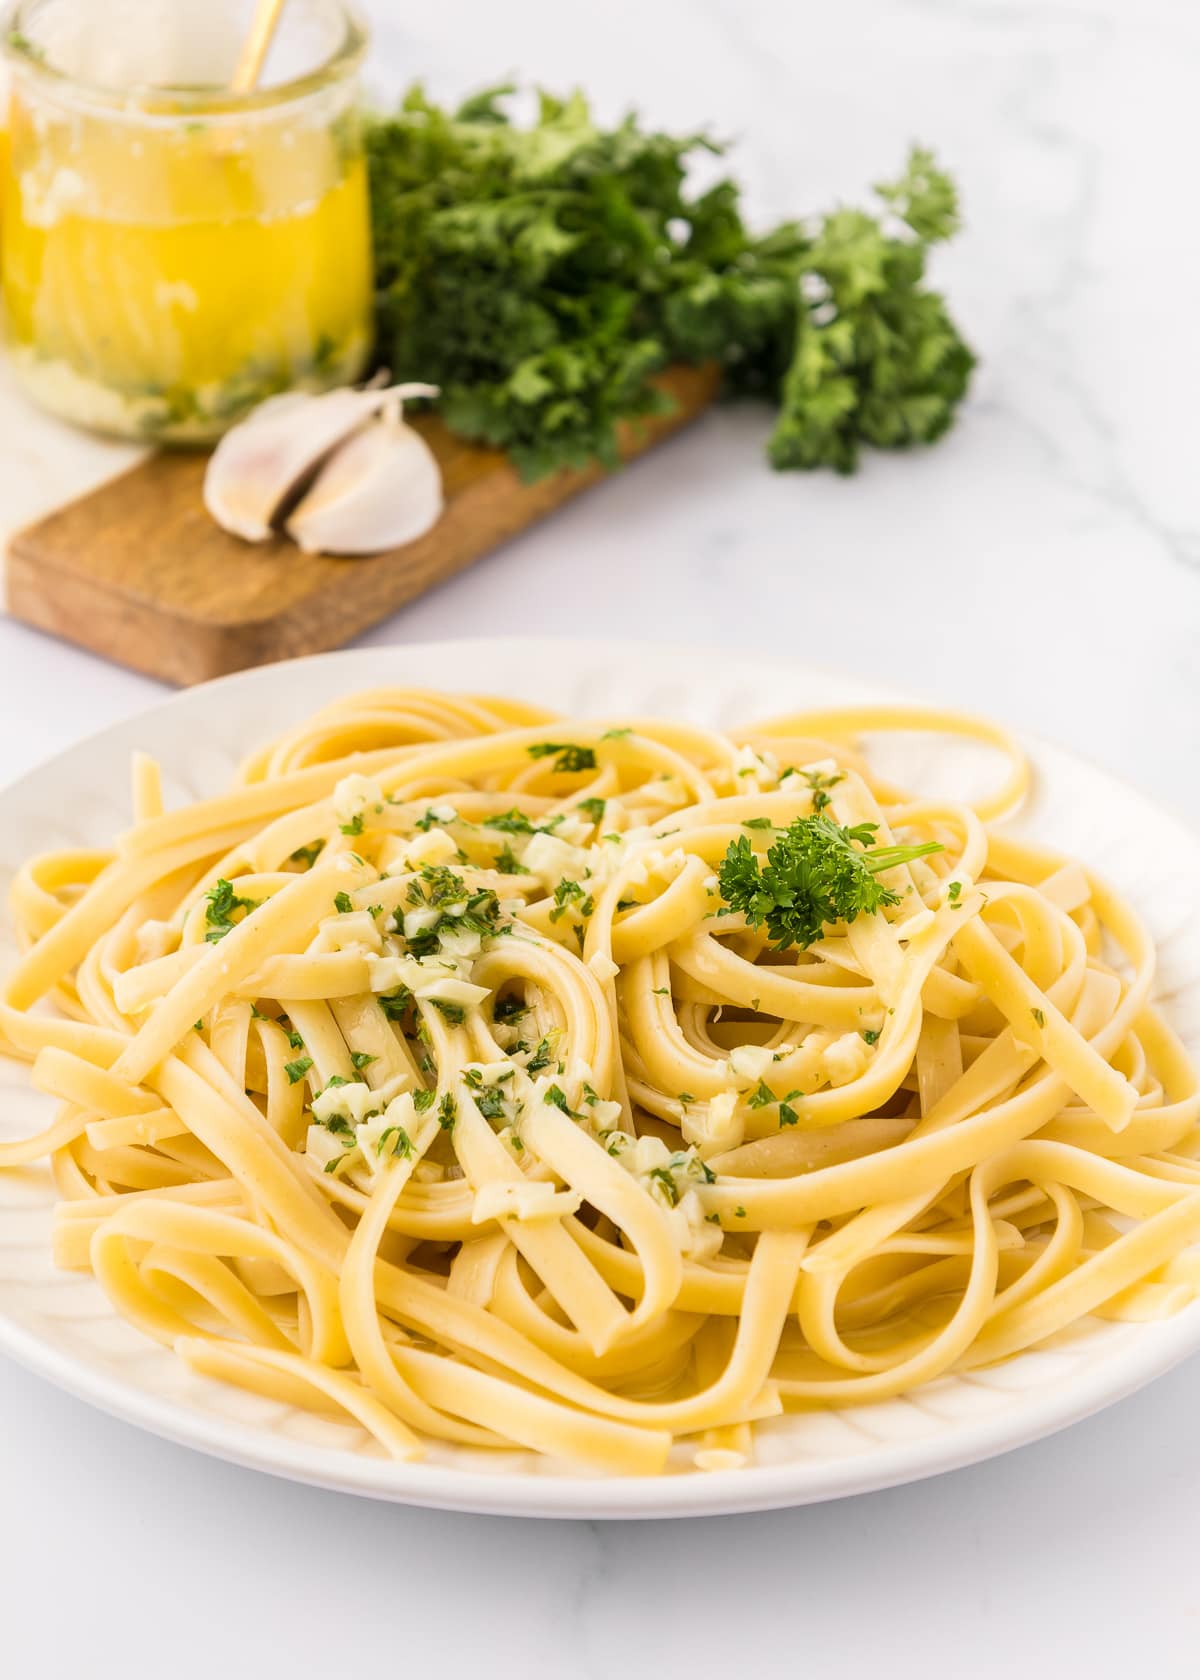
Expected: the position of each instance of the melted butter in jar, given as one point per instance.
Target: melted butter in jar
(173, 255)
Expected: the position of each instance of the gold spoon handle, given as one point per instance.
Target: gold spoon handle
(255, 47)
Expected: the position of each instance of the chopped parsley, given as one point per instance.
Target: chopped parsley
(395, 1003)
(508, 863)
(954, 891)
(567, 893)
(556, 1097)
(431, 819)
(593, 809)
(510, 822)
(20, 42)
(1039, 1016)
(222, 904)
(439, 888)
(297, 1069)
(454, 1013)
(354, 826)
(820, 786)
(758, 822)
(665, 1179)
(447, 1112)
(489, 1100)
(683, 1164)
(400, 1143)
(359, 1060)
(617, 734)
(871, 1035)
(308, 855)
(816, 873)
(571, 758)
(423, 1100)
(509, 1008)
(762, 1096)
(541, 1057)
(342, 903)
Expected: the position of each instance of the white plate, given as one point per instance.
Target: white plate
(60, 1325)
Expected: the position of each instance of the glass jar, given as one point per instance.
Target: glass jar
(172, 253)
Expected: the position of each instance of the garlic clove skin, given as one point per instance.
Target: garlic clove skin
(381, 489)
(260, 464)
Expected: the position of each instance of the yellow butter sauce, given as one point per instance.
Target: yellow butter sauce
(164, 270)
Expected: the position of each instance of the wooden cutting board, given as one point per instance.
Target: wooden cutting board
(139, 572)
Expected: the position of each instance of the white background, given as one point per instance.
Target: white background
(1042, 564)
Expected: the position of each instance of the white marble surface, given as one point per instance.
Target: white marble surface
(1043, 564)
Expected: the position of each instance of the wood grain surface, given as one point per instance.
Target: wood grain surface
(139, 572)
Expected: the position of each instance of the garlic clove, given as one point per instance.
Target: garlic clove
(263, 463)
(258, 464)
(381, 489)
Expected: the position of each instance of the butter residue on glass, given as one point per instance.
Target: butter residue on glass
(340, 474)
(172, 253)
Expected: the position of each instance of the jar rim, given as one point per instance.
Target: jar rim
(165, 101)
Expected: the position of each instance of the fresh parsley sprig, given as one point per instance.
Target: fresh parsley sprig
(816, 873)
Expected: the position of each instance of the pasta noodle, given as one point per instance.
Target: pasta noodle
(435, 1077)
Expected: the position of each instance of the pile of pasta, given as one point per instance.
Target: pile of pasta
(425, 1079)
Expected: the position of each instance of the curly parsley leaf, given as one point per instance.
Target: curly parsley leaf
(816, 873)
(876, 358)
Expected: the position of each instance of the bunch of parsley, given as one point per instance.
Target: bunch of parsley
(542, 275)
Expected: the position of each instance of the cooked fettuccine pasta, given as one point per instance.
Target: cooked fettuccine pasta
(598, 1089)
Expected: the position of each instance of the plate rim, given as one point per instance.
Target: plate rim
(1155, 1350)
